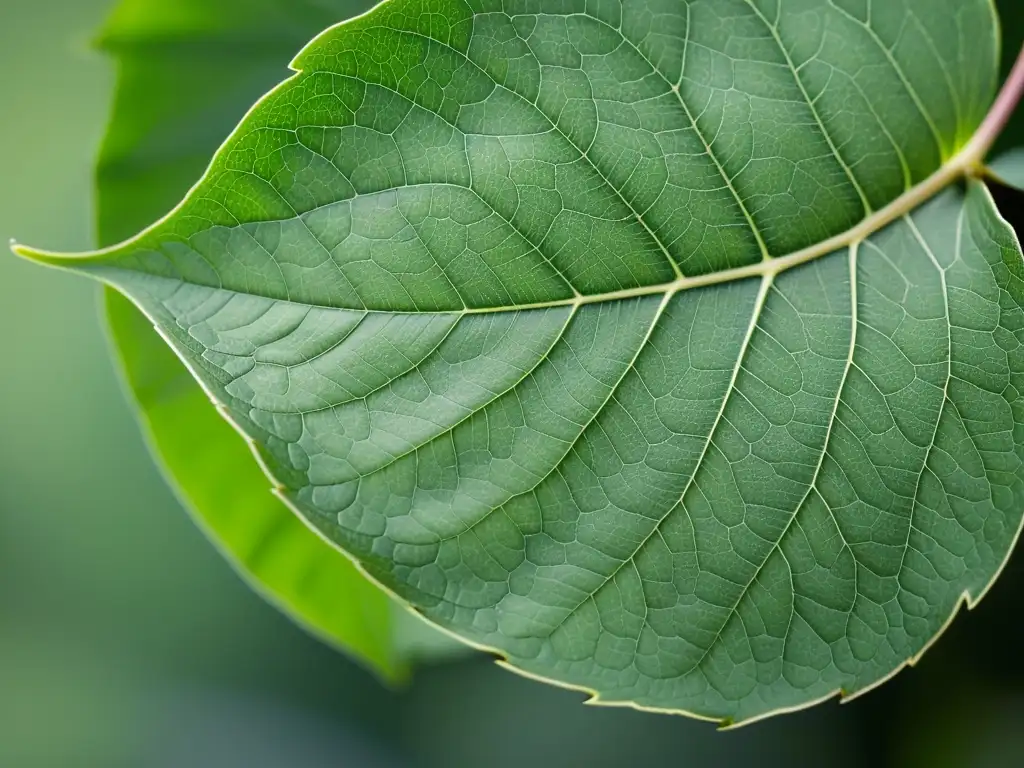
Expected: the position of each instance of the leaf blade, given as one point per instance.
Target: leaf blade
(158, 141)
(275, 553)
(596, 484)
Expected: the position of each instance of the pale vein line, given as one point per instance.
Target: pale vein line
(964, 163)
(629, 368)
(582, 153)
(908, 201)
(911, 91)
(949, 368)
(352, 397)
(812, 487)
(954, 94)
(675, 89)
(472, 411)
(759, 302)
(810, 104)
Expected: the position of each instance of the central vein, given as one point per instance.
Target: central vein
(960, 166)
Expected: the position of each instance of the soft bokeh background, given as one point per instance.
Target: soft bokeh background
(126, 640)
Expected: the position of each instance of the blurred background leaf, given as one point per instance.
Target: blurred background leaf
(1011, 14)
(125, 639)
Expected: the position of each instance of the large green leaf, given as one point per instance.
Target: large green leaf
(186, 75)
(650, 344)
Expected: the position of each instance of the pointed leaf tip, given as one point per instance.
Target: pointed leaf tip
(578, 452)
(36, 255)
(49, 258)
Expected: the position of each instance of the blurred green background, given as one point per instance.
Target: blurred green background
(125, 639)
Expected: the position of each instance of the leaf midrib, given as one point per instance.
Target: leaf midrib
(961, 164)
(765, 287)
(966, 164)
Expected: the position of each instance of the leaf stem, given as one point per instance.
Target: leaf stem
(999, 115)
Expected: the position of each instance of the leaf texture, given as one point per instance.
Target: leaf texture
(159, 140)
(618, 337)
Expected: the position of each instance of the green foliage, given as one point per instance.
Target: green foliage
(209, 71)
(649, 344)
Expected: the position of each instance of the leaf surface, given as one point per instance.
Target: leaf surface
(1008, 168)
(646, 343)
(209, 71)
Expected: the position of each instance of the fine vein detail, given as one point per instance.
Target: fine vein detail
(492, 291)
(965, 164)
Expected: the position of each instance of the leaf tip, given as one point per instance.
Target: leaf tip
(36, 255)
(46, 258)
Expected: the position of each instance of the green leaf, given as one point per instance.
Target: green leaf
(283, 560)
(1008, 168)
(649, 344)
(187, 71)
(209, 70)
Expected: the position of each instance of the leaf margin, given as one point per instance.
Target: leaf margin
(966, 164)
